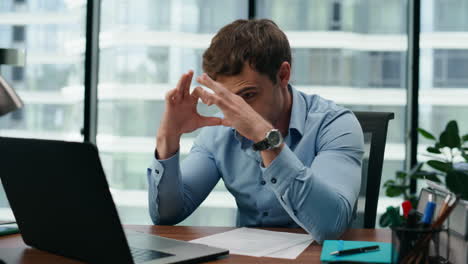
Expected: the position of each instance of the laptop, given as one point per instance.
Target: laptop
(61, 201)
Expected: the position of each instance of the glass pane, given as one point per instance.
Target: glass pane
(444, 64)
(145, 46)
(354, 53)
(51, 83)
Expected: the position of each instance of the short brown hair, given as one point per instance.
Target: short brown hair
(258, 42)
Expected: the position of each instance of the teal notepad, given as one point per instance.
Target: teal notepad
(381, 256)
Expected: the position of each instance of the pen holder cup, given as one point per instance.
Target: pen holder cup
(416, 245)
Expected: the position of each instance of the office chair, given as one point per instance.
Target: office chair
(374, 126)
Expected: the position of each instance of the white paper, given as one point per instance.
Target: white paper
(292, 252)
(255, 242)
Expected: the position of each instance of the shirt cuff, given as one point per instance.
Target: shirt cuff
(159, 166)
(283, 170)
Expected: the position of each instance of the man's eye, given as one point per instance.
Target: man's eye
(247, 96)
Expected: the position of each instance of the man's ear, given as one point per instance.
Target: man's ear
(284, 74)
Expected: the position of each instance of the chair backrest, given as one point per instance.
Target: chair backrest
(374, 126)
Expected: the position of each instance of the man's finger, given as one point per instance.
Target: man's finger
(185, 83)
(208, 98)
(210, 121)
(180, 84)
(208, 82)
(195, 95)
(186, 87)
(171, 96)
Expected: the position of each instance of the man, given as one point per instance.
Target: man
(288, 158)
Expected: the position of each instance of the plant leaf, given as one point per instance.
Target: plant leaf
(393, 191)
(401, 174)
(450, 137)
(465, 137)
(385, 220)
(433, 150)
(457, 182)
(391, 217)
(426, 134)
(433, 177)
(439, 165)
(389, 183)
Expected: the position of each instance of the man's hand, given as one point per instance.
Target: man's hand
(237, 113)
(180, 116)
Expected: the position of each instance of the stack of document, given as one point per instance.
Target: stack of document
(259, 243)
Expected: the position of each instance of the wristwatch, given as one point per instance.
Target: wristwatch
(273, 139)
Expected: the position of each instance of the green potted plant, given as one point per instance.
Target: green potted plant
(449, 161)
(450, 158)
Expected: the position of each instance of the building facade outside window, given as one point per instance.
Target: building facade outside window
(51, 82)
(350, 51)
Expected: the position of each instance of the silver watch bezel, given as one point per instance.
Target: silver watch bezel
(280, 137)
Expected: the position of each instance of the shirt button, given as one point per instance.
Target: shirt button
(265, 213)
(157, 171)
(295, 212)
(263, 182)
(273, 180)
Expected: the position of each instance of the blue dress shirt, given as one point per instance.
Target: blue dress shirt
(313, 183)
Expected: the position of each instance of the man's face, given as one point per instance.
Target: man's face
(258, 91)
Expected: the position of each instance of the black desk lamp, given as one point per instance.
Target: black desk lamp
(9, 100)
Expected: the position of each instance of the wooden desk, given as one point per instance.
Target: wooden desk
(14, 251)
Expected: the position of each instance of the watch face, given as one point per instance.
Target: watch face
(274, 137)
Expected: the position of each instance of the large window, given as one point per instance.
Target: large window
(350, 51)
(146, 45)
(51, 83)
(338, 52)
(346, 51)
(444, 64)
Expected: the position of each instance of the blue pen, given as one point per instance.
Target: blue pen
(428, 211)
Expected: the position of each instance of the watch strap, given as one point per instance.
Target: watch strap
(261, 145)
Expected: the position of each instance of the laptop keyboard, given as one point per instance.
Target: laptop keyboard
(141, 255)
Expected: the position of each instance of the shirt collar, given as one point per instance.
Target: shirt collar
(296, 123)
(298, 112)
